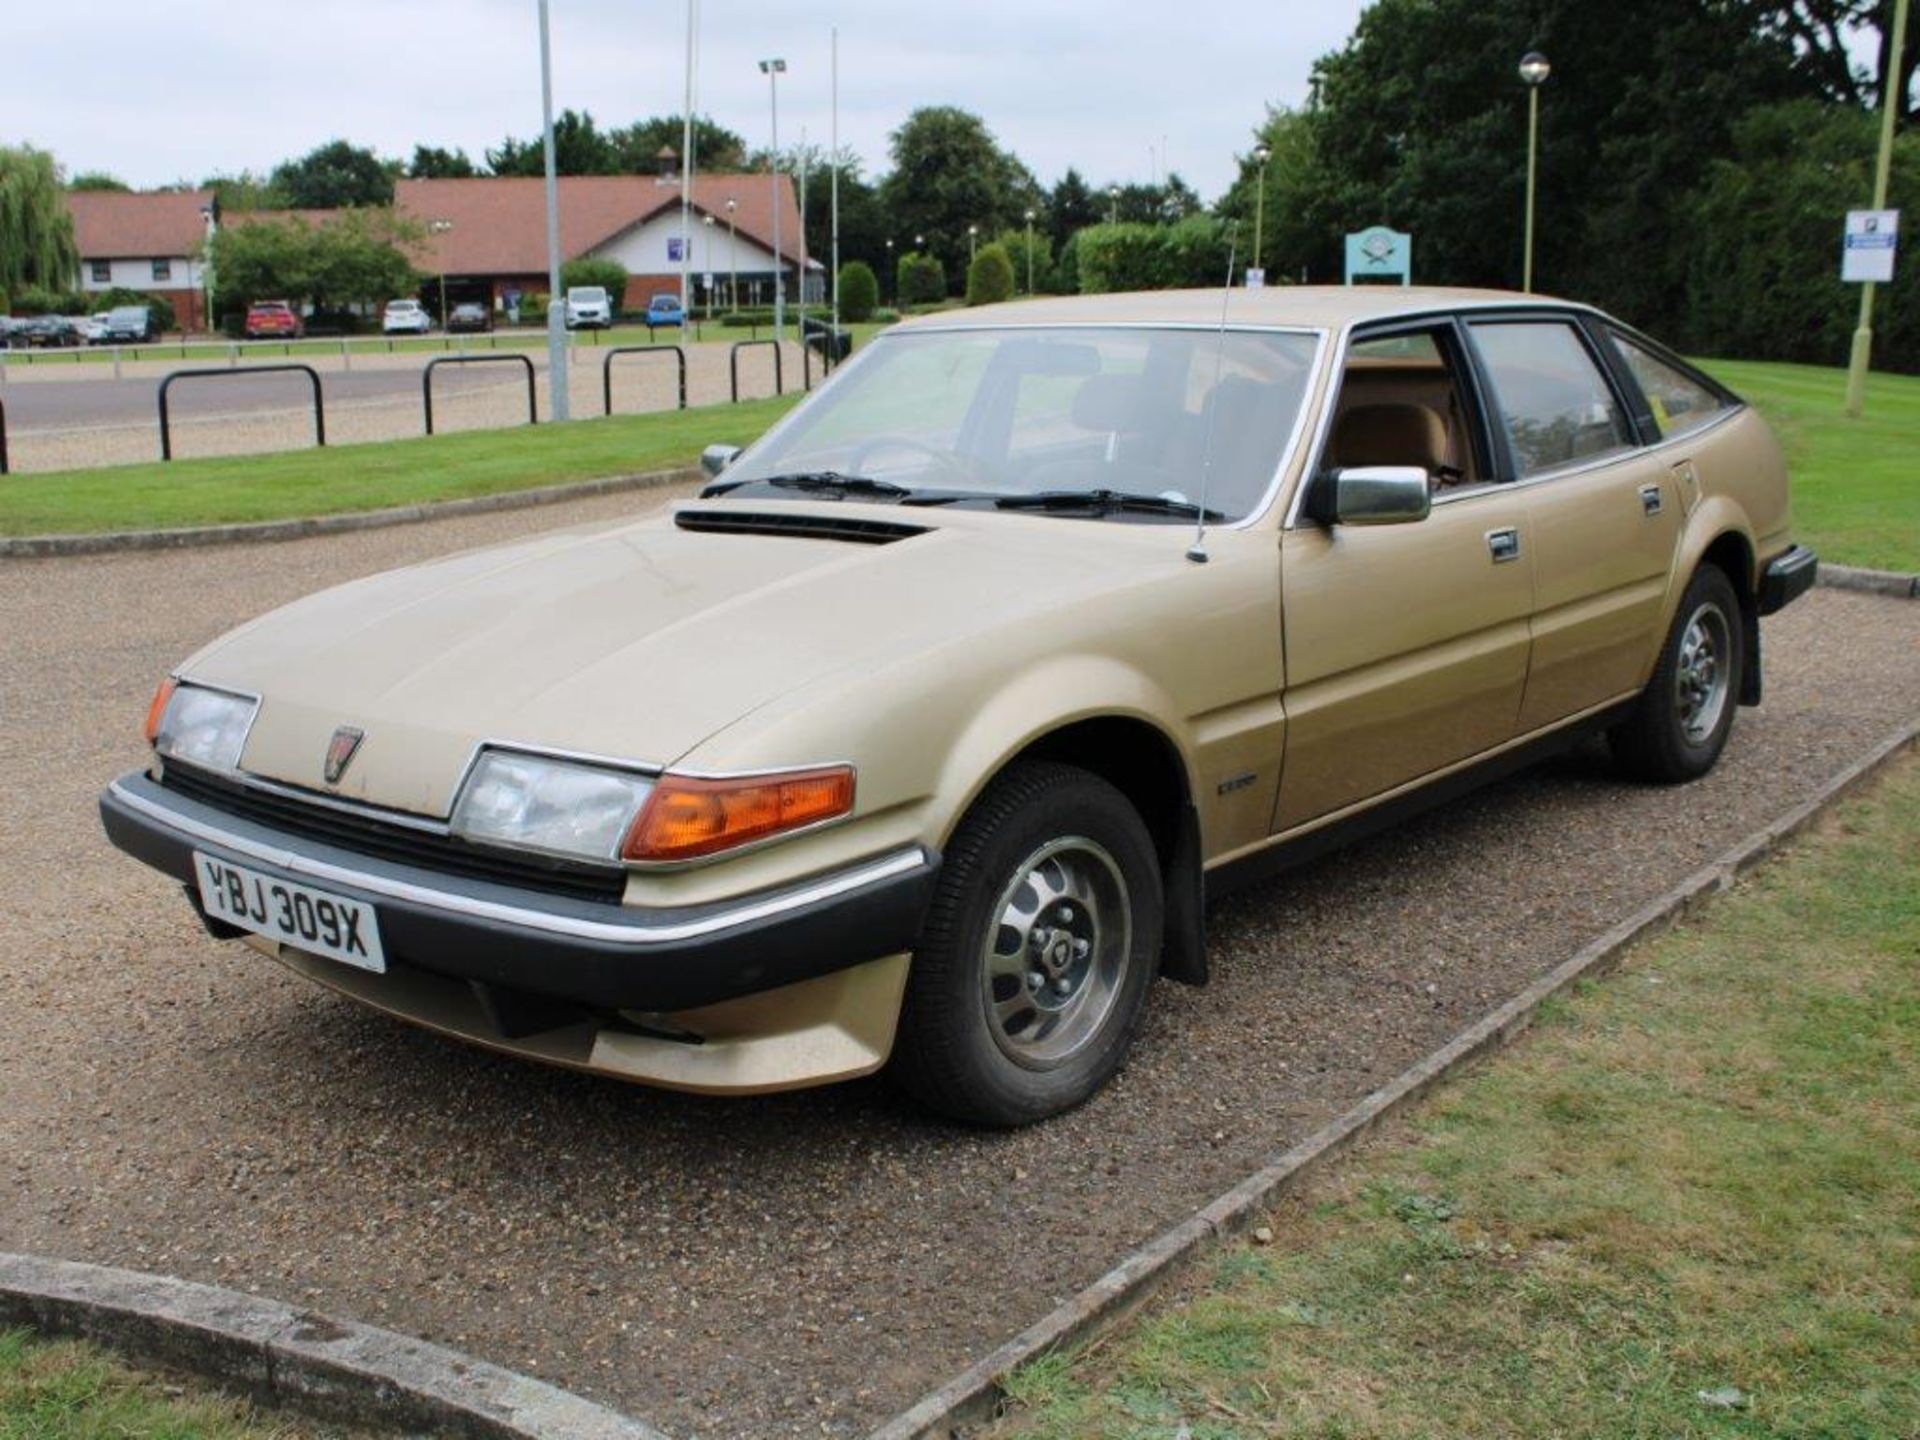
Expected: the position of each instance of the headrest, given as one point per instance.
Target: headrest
(1108, 403)
(1396, 434)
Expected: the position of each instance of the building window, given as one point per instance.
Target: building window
(102, 271)
(163, 269)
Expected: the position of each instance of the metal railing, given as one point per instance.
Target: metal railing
(606, 369)
(426, 380)
(733, 365)
(313, 377)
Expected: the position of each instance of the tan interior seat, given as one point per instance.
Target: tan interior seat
(1394, 433)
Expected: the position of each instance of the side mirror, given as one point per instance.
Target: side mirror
(1372, 495)
(716, 458)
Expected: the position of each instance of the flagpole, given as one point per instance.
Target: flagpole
(686, 175)
(834, 159)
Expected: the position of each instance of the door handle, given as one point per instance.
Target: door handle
(1650, 500)
(1504, 544)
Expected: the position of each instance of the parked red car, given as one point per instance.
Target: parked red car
(273, 320)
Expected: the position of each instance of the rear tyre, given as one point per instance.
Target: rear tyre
(1037, 953)
(1681, 721)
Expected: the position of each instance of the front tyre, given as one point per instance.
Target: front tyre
(1038, 950)
(1681, 721)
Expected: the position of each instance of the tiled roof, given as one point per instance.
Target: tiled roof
(500, 222)
(121, 225)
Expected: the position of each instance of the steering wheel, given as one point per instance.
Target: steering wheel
(958, 466)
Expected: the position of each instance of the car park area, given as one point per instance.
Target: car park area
(803, 1264)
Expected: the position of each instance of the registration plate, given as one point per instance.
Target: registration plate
(330, 925)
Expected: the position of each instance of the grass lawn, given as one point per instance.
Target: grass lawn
(1856, 483)
(64, 1390)
(1683, 1206)
(369, 477)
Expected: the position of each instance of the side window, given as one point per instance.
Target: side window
(1554, 401)
(1401, 403)
(1679, 401)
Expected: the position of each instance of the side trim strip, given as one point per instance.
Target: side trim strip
(638, 933)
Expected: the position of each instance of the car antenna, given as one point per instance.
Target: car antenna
(1197, 552)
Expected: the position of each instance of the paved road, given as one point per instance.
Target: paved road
(41, 404)
(795, 1265)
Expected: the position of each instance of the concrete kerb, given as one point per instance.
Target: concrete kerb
(24, 547)
(333, 1370)
(1873, 582)
(975, 1393)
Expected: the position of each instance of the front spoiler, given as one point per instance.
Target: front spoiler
(528, 944)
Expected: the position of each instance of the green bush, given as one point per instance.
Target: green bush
(884, 315)
(743, 319)
(859, 291)
(533, 308)
(35, 301)
(160, 311)
(1040, 261)
(610, 275)
(1191, 254)
(920, 279)
(990, 276)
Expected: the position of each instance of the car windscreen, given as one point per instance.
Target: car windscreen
(587, 295)
(1021, 411)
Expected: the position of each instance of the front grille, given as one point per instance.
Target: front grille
(367, 834)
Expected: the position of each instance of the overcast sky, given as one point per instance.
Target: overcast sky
(156, 93)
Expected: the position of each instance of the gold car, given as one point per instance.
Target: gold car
(924, 736)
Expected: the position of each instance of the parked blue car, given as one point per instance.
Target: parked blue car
(665, 310)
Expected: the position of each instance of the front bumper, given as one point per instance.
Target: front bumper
(521, 944)
(1787, 577)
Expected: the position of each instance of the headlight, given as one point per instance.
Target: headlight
(203, 727)
(556, 806)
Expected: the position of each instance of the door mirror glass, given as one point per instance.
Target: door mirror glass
(716, 458)
(1373, 495)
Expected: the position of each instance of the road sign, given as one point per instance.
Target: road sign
(1872, 237)
(1378, 251)
(1256, 279)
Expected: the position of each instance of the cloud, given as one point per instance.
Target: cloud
(1120, 91)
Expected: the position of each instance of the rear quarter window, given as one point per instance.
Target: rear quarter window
(1680, 402)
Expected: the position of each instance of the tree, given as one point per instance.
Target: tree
(431, 162)
(243, 192)
(949, 174)
(1071, 206)
(1038, 264)
(579, 148)
(334, 175)
(36, 232)
(859, 291)
(1289, 240)
(1827, 35)
(97, 180)
(356, 257)
(990, 276)
(635, 149)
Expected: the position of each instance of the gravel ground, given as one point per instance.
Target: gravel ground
(61, 418)
(804, 1264)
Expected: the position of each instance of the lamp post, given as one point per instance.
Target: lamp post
(1534, 70)
(1113, 204)
(1029, 250)
(973, 244)
(893, 276)
(773, 70)
(733, 257)
(559, 400)
(441, 227)
(1891, 100)
(209, 214)
(1262, 152)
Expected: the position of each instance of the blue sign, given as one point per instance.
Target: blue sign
(1378, 252)
(676, 248)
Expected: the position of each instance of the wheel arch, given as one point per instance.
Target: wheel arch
(1718, 535)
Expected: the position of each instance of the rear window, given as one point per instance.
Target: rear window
(1680, 402)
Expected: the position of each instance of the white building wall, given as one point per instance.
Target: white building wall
(185, 273)
(645, 250)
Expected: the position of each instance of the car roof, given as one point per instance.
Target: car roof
(1307, 306)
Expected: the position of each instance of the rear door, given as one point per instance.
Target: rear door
(1406, 645)
(1603, 511)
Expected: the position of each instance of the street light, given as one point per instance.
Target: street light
(1534, 70)
(1029, 251)
(973, 241)
(893, 276)
(441, 227)
(1262, 152)
(733, 258)
(773, 70)
(559, 397)
(1113, 204)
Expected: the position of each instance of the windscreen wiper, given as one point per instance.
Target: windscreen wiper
(835, 482)
(1106, 502)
